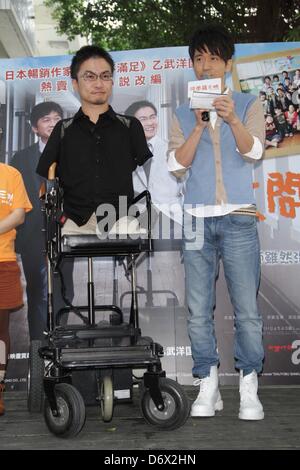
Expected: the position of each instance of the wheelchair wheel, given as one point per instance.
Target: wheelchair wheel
(35, 387)
(71, 412)
(107, 398)
(176, 410)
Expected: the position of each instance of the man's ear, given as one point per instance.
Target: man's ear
(35, 130)
(75, 84)
(228, 65)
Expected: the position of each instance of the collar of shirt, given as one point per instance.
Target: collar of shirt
(109, 113)
(42, 145)
(152, 142)
(153, 139)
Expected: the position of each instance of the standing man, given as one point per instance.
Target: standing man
(97, 150)
(219, 193)
(30, 242)
(165, 189)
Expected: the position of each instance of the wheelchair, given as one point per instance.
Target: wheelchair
(94, 362)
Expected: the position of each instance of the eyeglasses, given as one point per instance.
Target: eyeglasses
(93, 77)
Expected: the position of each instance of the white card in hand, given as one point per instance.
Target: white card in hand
(203, 100)
(209, 85)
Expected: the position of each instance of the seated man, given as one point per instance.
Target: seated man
(96, 150)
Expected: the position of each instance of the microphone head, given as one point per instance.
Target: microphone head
(205, 116)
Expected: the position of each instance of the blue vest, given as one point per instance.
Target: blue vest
(236, 171)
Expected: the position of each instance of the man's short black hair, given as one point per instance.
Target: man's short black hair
(215, 38)
(134, 107)
(42, 109)
(88, 52)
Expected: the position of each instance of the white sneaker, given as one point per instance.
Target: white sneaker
(209, 399)
(250, 405)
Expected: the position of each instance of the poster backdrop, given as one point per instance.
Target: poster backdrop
(160, 76)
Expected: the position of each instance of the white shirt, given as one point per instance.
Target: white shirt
(42, 145)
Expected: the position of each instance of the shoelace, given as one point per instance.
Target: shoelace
(248, 391)
(202, 382)
(197, 382)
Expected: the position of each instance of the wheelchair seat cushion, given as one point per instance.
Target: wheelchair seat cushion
(127, 225)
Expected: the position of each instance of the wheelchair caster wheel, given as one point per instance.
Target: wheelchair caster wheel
(35, 387)
(176, 403)
(107, 398)
(71, 408)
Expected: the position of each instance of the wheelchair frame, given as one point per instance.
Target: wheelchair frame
(103, 349)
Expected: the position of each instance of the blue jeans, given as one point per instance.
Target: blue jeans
(234, 239)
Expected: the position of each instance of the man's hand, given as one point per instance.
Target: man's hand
(186, 152)
(225, 109)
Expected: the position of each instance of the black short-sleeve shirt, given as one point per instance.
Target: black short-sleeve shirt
(95, 161)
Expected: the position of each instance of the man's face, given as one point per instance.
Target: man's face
(148, 118)
(207, 65)
(93, 92)
(45, 125)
